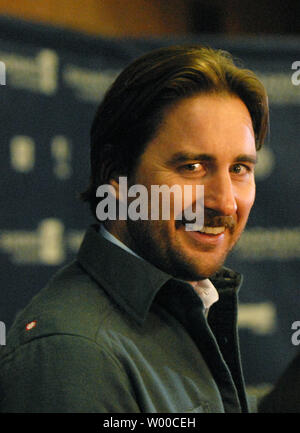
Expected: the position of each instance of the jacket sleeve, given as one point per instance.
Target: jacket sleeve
(64, 373)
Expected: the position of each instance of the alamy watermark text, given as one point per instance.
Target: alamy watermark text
(296, 75)
(2, 74)
(187, 202)
(2, 334)
(296, 335)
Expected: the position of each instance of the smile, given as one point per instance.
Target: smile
(212, 230)
(208, 236)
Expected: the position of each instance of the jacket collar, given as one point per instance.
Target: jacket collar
(141, 279)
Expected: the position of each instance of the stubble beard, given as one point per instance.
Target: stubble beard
(151, 241)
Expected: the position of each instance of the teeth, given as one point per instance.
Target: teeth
(212, 230)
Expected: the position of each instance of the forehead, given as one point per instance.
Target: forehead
(208, 123)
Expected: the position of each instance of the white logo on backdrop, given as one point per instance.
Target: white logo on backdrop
(87, 84)
(47, 245)
(280, 88)
(260, 318)
(23, 155)
(37, 74)
(265, 163)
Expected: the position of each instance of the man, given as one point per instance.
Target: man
(144, 320)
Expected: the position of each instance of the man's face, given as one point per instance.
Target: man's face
(203, 140)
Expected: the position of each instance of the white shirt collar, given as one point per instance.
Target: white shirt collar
(206, 291)
(204, 288)
(116, 241)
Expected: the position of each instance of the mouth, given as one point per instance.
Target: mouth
(212, 230)
(208, 236)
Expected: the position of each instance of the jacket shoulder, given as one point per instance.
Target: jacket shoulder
(71, 303)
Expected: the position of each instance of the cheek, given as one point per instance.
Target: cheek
(245, 202)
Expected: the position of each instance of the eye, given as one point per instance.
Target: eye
(193, 167)
(241, 169)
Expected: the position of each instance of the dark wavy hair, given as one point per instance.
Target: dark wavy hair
(133, 107)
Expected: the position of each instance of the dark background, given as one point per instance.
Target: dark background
(59, 60)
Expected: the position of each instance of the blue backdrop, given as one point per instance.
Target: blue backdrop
(54, 81)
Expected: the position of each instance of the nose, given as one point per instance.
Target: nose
(219, 195)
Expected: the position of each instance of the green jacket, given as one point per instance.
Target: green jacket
(111, 333)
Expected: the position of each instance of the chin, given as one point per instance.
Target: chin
(205, 272)
(189, 269)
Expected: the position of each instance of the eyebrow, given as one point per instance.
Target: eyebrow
(180, 157)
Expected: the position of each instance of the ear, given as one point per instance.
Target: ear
(114, 181)
(109, 174)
